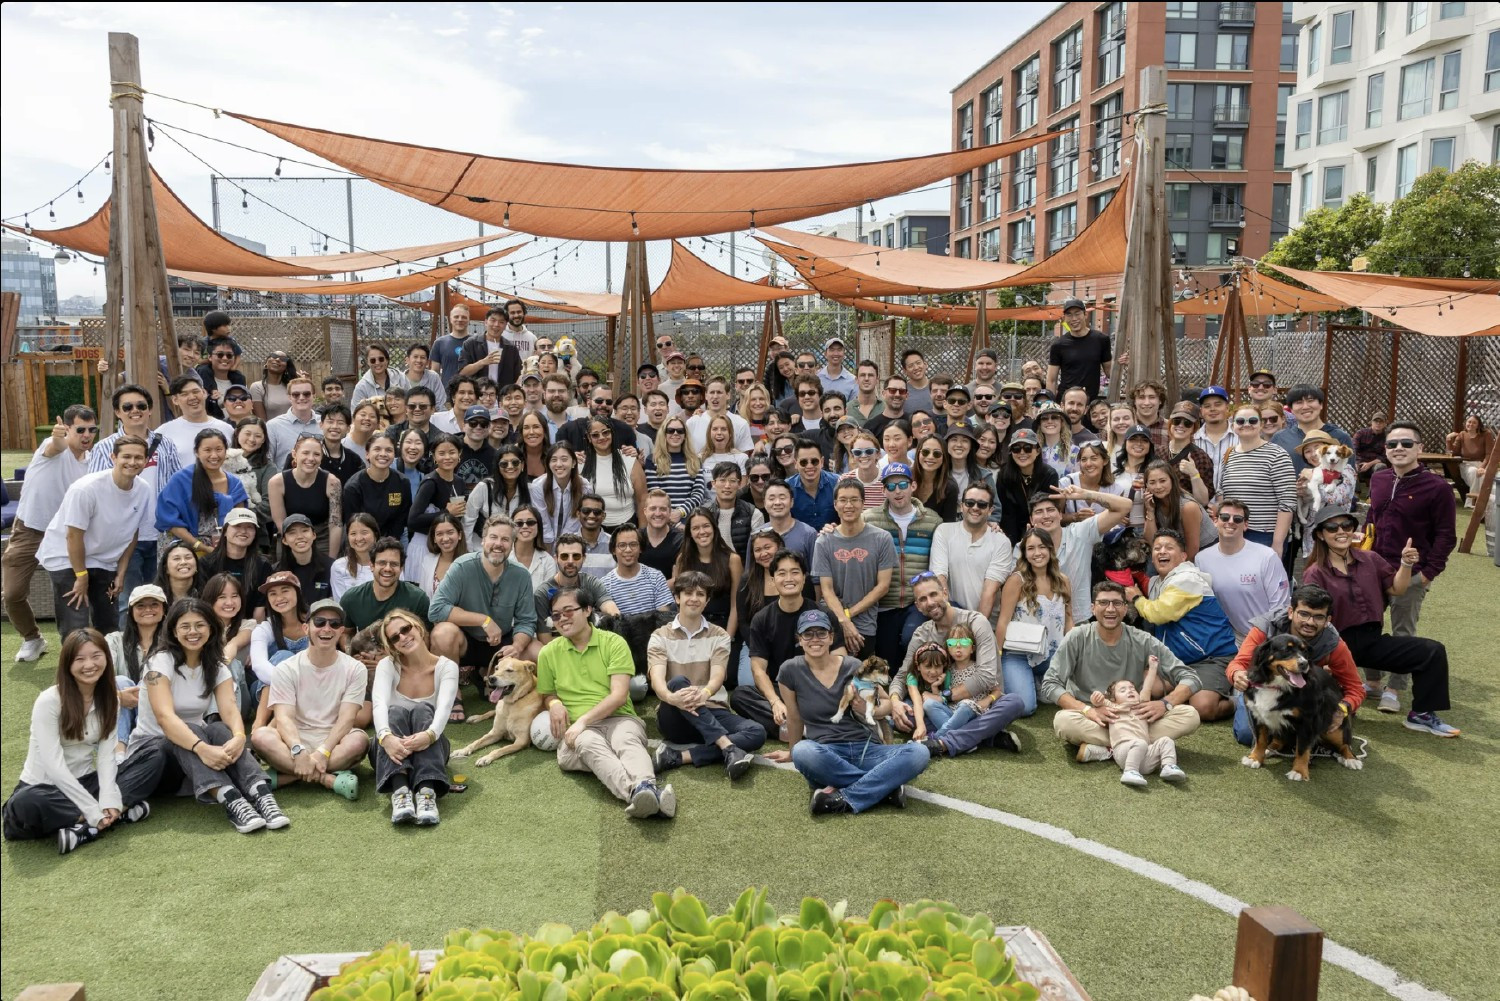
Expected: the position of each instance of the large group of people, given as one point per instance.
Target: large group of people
(254, 589)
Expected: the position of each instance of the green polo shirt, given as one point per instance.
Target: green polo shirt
(581, 679)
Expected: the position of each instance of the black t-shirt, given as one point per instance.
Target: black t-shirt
(474, 464)
(1080, 361)
(251, 571)
(313, 576)
(664, 556)
(773, 635)
(389, 503)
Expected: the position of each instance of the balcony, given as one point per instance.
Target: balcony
(1237, 13)
(1231, 114)
(1060, 240)
(1030, 83)
(1022, 252)
(1071, 55)
(1223, 214)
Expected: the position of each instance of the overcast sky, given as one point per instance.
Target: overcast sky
(678, 85)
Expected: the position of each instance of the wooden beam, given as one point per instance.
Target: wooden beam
(1327, 355)
(1482, 501)
(438, 319)
(648, 317)
(1146, 297)
(1278, 955)
(1390, 404)
(1461, 385)
(611, 323)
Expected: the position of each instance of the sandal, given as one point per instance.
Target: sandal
(346, 784)
(457, 715)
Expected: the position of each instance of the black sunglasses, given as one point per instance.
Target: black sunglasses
(324, 621)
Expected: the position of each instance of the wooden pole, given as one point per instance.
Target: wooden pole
(611, 324)
(648, 317)
(1327, 356)
(1482, 502)
(1390, 403)
(439, 319)
(768, 324)
(1146, 295)
(626, 320)
(1461, 385)
(1216, 371)
(1278, 955)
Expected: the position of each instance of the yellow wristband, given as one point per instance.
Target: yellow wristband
(80, 573)
(487, 621)
(324, 751)
(382, 735)
(848, 614)
(432, 734)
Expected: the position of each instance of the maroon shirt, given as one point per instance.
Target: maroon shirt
(1419, 506)
(1359, 596)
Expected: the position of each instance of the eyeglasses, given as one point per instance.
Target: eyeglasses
(898, 484)
(863, 453)
(1262, 383)
(382, 564)
(130, 408)
(806, 463)
(528, 523)
(327, 622)
(510, 463)
(1012, 396)
(815, 634)
(1109, 603)
(959, 643)
(1232, 519)
(600, 435)
(892, 391)
(566, 613)
(981, 505)
(591, 512)
(1246, 421)
(1401, 443)
(402, 631)
(569, 557)
(1022, 449)
(760, 477)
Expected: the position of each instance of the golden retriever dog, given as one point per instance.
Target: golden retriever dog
(512, 685)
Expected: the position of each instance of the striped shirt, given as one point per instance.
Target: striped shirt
(1264, 480)
(695, 656)
(685, 491)
(645, 592)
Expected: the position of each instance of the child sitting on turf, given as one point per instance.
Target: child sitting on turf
(930, 686)
(1128, 733)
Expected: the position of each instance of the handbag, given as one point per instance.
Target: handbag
(1026, 637)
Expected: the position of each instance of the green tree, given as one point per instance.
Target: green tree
(1330, 239)
(1446, 224)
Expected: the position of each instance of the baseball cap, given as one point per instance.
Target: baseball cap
(845, 422)
(961, 431)
(282, 578)
(1050, 408)
(241, 516)
(832, 341)
(1263, 371)
(1073, 304)
(326, 605)
(1185, 409)
(813, 618)
(475, 412)
(647, 367)
(237, 392)
(146, 591)
(1014, 387)
(531, 377)
(293, 520)
(959, 388)
(1137, 431)
(674, 356)
(894, 470)
(1023, 436)
(1218, 391)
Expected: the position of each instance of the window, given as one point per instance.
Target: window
(1416, 16)
(1495, 145)
(1022, 239)
(1179, 248)
(1343, 37)
(1064, 159)
(1492, 63)
(1179, 150)
(1182, 10)
(916, 236)
(1179, 198)
(1180, 101)
(965, 202)
(1448, 91)
(1232, 52)
(1305, 205)
(1182, 51)
(994, 113)
(1067, 62)
(1447, 10)
(1099, 203)
(1026, 83)
(875, 238)
(1227, 151)
(1289, 52)
(1314, 48)
(1371, 172)
(1406, 169)
(989, 192)
(1333, 117)
(1225, 203)
(1222, 248)
(1284, 93)
(989, 244)
(1440, 154)
(1416, 90)
(963, 248)
(1303, 137)
(1333, 187)
(1380, 25)
(1281, 206)
(1107, 132)
(1374, 100)
(1023, 183)
(966, 126)
(1278, 158)
(1062, 226)
(1111, 22)
(1232, 103)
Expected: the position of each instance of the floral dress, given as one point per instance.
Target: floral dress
(1063, 458)
(1051, 615)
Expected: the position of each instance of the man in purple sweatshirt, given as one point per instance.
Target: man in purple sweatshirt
(1409, 501)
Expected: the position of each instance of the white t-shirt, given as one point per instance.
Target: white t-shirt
(1249, 584)
(1076, 558)
(968, 564)
(52, 759)
(182, 432)
(188, 700)
(47, 480)
(317, 693)
(111, 519)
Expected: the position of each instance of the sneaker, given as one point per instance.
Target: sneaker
(666, 801)
(266, 806)
(1131, 777)
(829, 800)
(242, 815)
(1171, 773)
(1390, 702)
(70, 838)
(1429, 723)
(666, 758)
(896, 797)
(1006, 741)
(138, 813)
(402, 809)
(1371, 691)
(427, 810)
(30, 652)
(736, 762)
(935, 748)
(643, 801)
(1092, 752)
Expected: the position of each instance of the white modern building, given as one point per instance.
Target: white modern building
(1388, 91)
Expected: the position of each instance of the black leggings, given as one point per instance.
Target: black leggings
(1424, 659)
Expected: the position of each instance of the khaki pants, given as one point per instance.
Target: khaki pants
(1076, 728)
(613, 749)
(18, 566)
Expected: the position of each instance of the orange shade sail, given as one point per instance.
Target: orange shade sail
(850, 270)
(1437, 312)
(961, 316)
(1096, 251)
(397, 286)
(1260, 295)
(617, 203)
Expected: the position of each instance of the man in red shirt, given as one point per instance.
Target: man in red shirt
(1308, 621)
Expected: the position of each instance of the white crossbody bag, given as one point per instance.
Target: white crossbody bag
(1025, 637)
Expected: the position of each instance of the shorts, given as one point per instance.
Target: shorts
(479, 653)
(1211, 676)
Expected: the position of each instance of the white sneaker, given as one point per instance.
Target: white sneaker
(1131, 777)
(666, 799)
(427, 810)
(402, 810)
(1390, 702)
(1092, 752)
(32, 650)
(1171, 773)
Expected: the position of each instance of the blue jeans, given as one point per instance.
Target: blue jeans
(142, 570)
(1243, 731)
(742, 669)
(1020, 678)
(864, 771)
(125, 718)
(942, 717)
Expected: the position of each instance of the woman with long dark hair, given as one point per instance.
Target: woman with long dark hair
(844, 433)
(1023, 475)
(179, 575)
(1136, 453)
(380, 492)
(194, 503)
(268, 395)
(704, 550)
(354, 567)
(185, 680)
(283, 633)
(253, 440)
(527, 548)
(961, 443)
(129, 649)
(378, 377)
(1094, 473)
(757, 590)
(1195, 468)
(759, 472)
(70, 785)
(428, 563)
(931, 482)
(987, 449)
(1039, 593)
(226, 595)
(618, 479)
(237, 556)
(532, 437)
(1167, 507)
(558, 494)
(441, 490)
(412, 697)
(783, 452)
(504, 492)
(411, 460)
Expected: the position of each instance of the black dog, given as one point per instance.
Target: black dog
(1293, 702)
(636, 629)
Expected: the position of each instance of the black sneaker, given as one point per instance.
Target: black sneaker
(138, 813)
(666, 758)
(266, 806)
(70, 838)
(935, 748)
(242, 815)
(1006, 741)
(736, 762)
(829, 801)
(896, 797)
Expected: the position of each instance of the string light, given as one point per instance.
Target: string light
(278, 168)
(752, 222)
(506, 221)
(150, 137)
(633, 227)
(51, 214)
(80, 198)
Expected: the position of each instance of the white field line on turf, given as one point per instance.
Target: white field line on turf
(1360, 965)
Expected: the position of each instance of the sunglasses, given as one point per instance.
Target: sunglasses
(898, 484)
(807, 364)
(984, 397)
(419, 407)
(1270, 420)
(87, 428)
(560, 613)
(600, 435)
(304, 395)
(400, 634)
(981, 505)
(1012, 396)
(919, 578)
(478, 422)
(957, 401)
(786, 450)
(328, 621)
(224, 354)
(809, 392)
(894, 392)
(510, 463)
(1182, 422)
(130, 408)
(697, 368)
(663, 344)
(1401, 443)
(528, 523)
(930, 453)
(1232, 519)
(674, 431)
(863, 453)
(1341, 526)
(743, 382)
(760, 477)
(1245, 421)
(1262, 384)
(960, 643)
(591, 512)
(1022, 449)
(569, 557)
(241, 398)
(806, 463)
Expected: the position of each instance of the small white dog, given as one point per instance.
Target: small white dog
(238, 466)
(1322, 476)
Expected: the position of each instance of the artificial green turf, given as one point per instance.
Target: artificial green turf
(1397, 861)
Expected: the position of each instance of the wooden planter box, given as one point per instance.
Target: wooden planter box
(294, 978)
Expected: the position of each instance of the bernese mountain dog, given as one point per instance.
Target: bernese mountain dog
(1292, 704)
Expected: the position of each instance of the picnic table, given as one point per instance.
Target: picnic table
(1452, 469)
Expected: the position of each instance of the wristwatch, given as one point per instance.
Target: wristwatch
(297, 749)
